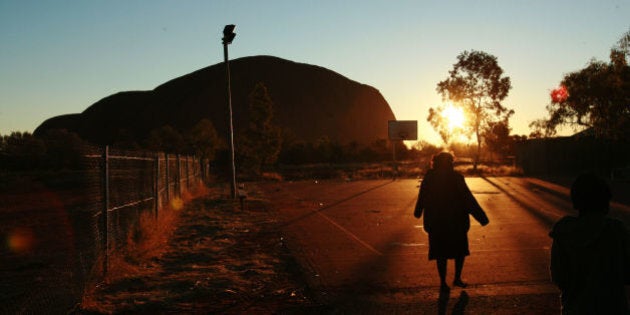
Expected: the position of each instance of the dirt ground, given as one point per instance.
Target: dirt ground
(219, 259)
(32, 263)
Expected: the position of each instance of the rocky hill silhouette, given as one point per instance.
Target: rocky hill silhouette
(309, 101)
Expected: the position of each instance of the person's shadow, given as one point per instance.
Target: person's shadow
(458, 308)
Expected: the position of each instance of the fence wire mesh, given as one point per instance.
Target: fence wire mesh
(61, 227)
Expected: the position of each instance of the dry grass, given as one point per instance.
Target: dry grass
(490, 170)
(405, 169)
(351, 171)
(272, 176)
(217, 259)
(145, 242)
(38, 252)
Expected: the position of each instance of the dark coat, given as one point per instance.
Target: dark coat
(446, 202)
(590, 263)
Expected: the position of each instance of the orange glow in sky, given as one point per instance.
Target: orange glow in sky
(60, 58)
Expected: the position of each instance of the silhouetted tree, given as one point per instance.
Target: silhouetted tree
(441, 125)
(381, 151)
(297, 152)
(597, 97)
(476, 83)
(204, 141)
(497, 138)
(537, 132)
(261, 141)
(22, 151)
(166, 139)
(437, 121)
(351, 152)
(462, 151)
(125, 139)
(426, 149)
(620, 52)
(64, 149)
(410, 153)
(323, 150)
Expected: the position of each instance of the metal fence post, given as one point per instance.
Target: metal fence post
(168, 181)
(204, 168)
(156, 188)
(196, 170)
(179, 178)
(105, 209)
(187, 173)
(199, 169)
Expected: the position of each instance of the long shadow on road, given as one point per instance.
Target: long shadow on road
(314, 212)
(368, 290)
(545, 217)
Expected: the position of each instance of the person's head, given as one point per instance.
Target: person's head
(590, 193)
(442, 160)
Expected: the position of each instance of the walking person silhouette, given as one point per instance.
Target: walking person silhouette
(446, 202)
(590, 257)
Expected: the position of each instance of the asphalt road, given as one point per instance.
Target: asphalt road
(364, 252)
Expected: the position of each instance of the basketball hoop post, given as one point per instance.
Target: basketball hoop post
(400, 130)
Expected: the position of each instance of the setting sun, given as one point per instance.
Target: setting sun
(454, 116)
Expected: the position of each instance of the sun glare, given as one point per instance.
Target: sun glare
(454, 117)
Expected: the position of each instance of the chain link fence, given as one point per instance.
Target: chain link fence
(61, 230)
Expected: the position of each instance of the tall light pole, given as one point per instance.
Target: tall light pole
(228, 37)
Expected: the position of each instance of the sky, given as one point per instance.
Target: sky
(59, 57)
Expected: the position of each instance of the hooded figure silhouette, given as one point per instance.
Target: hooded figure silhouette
(446, 203)
(590, 258)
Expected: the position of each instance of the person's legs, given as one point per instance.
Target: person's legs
(441, 267)
(459, 265)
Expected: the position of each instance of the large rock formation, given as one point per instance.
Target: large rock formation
(310, 101)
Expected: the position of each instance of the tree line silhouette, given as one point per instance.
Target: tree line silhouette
(261, 145)
(594, 97)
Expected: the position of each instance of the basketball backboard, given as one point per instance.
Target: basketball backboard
(403, 129)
